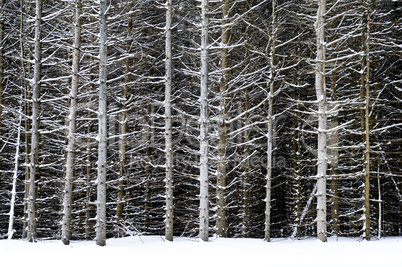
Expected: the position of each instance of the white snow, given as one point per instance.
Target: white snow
(154, 251)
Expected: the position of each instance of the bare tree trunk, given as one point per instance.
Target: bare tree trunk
(34, 161)
(88, 182)
(246, 166)
(334, 160)
(27, 113)
(168, 124)
(14, 183)
(364, 117)
(320, 86)
(270, 124)
(123, 138)
(297, 170)
(102, 133)
(71, 136)
(2, 16)
(148, 160)
(27, 97)
(221, 227)
(204, 181)
(367, 233)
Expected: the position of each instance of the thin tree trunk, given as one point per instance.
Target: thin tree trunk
(27, 113)
(204, 181)
(148, 160)
(123, 138)
(88, 182)
(71, 136)
(14, 183)
(102, 132)
(270, 124)
(334, 161)
(246, 166)
(168, 124)
(221, 227)
(322, 123)
(297, 170)
(367, 233)
(364, 117)
(2, 16)
(34, 161)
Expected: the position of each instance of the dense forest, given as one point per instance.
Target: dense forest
(235, 118)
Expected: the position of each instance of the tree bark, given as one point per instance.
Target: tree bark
(123, 134)
(34, 160)
(2, 16)
(71, 135)
(168, 124)
(102, 132)
(245, 176)
(27, 113)
(267, 235)
(11, 230)
(334, 160)
(204, 181)
(320, 86)
(221, 227)
(367, 135)
(365, 116)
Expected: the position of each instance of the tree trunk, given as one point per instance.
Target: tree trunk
(71, 135)
(270, 125)
(27, 113)
(102, 132)
(204, 181)
(2, 16)
(148, 160)
(364, 116)
(34, 160)
(334, 160)
(245, 176)
(123, 133)
(88, 182)
(320, 86)
(14, 182)
(366, 227)
(221, 227)
(168, 124)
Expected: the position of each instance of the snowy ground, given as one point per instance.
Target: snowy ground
(154, 251)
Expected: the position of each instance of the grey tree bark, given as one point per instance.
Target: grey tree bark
(34, 158)
(320, 86)
(270, 125)
(168, 124)
(71, 135)
(366, 133)
(11, 229)
(27, 114)
(204, 181)
(221, 227)
(2, 16)
(123, 138)
(102, 132)
(334, 160)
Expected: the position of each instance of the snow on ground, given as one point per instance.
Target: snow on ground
(154, 251)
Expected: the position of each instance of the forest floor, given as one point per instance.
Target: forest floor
(155, 251)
